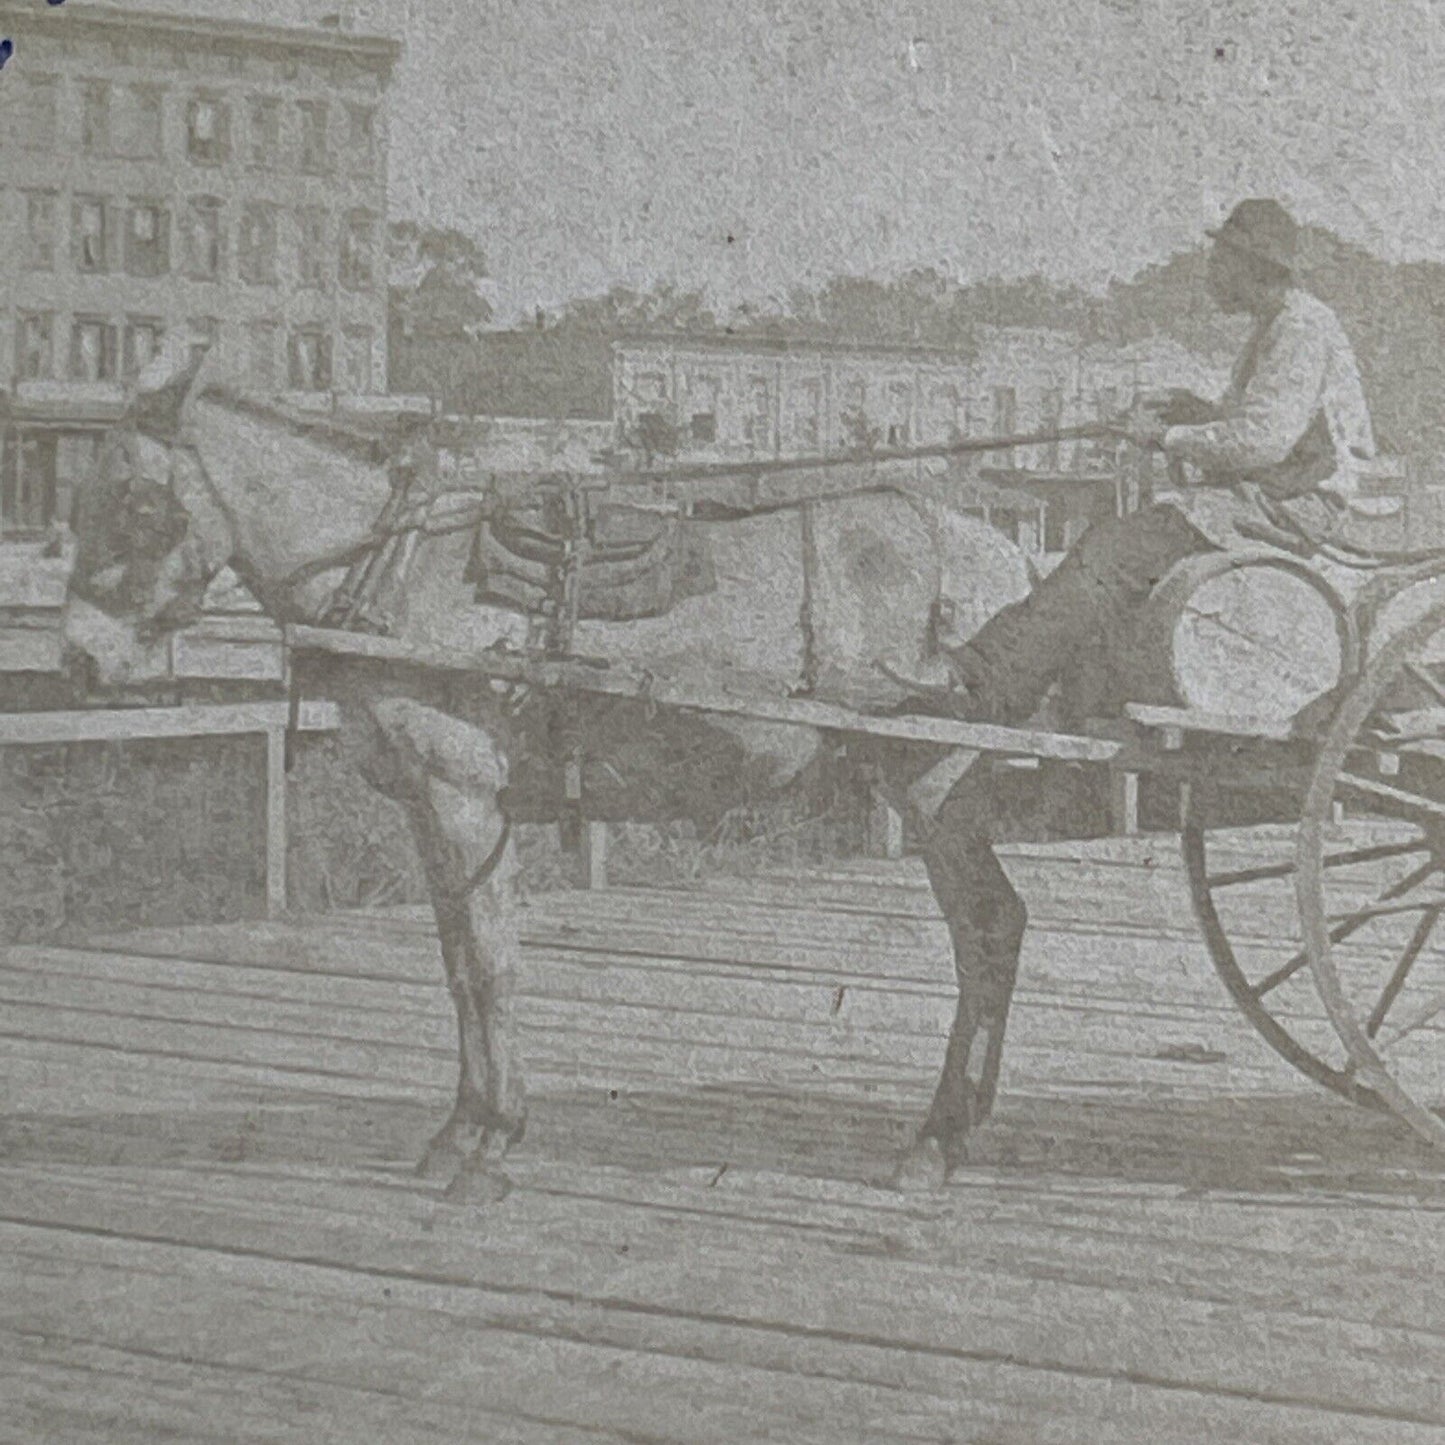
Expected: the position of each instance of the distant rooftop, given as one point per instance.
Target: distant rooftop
(127, 22)
(984, 335)
(783, 345)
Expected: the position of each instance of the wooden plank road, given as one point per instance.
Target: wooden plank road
(209, 1230)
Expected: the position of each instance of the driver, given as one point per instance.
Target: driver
(1276, 461)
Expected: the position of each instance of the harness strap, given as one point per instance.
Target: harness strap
(489, 864)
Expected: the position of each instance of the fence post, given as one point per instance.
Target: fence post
(275, 821)
(594, 854)
(1124, 801)
(886, 827)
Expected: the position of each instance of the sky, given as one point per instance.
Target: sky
(746, 147)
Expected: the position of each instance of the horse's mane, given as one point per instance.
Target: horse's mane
(351, 441)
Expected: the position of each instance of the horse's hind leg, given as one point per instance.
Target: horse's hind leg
(450, 777)
(986, 921)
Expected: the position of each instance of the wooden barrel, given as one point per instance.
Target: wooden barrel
(1254, 635)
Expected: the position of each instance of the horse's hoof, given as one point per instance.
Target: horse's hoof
(478, 1184)
(440, 1162)
(923, 1169)
(444, 1154)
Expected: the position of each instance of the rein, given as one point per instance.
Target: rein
(402, 524)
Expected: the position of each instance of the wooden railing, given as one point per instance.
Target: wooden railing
(116, 725)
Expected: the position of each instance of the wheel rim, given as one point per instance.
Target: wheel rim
(1247, 993)
(1388, 1008)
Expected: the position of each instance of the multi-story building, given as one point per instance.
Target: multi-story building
(739, 398)
(161, 173)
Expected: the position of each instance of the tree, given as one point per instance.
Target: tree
(436, 309)
(622, 310)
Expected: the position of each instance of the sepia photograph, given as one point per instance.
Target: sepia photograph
(722, 723)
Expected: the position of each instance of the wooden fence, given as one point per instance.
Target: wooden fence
(116, 725)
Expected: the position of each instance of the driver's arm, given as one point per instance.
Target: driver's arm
(1279, 402)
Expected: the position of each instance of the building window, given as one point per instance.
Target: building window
(853, 426)
(313, 135)
(263, 140)
(207, 122)
(758, 420)
(256, 253)
(34, 354)
(361, 139)
(357, 241)
(148, 240)
(205, 336)
(310, 359)
(203, 238)
(1005, 411)
(1051, 419)
(261, 356)
(311, 246)
(76, 453)
(1100, 452)
(27, 484)
(33, 119)
(90, 241)
(141, 134)
(142, 342)
(356, 361)
(95, 118)
(702, 407)
(94, 350)
(1056, 527)
(944, 419)
(40, 230)
(805, 414)
(900, 404)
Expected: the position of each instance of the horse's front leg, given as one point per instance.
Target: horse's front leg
(451, 776)
(986, 922)
(471, 871)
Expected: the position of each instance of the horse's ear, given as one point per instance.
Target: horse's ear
(165, 388)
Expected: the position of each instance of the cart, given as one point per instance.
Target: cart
(1344, 793)
(1346, 801)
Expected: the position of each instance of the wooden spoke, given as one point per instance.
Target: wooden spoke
(1287, 970)
(1335, 860)
(1418, 673)
(1431, 1009)
(1370, 787)
(1351, 924)
(1282, 974)
(1387, 910)
(1277, 1033)
(1417, 942)
(1404, 1082)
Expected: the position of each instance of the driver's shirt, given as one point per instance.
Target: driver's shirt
(1294, 428)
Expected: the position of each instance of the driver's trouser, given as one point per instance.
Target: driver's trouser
(1070, 629)
(1076, 626)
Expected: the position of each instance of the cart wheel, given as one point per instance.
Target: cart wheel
(1243, 912)
(1380, 967)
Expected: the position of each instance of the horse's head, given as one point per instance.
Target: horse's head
(149, 533)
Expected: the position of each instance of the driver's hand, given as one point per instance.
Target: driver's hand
(1181, 407)
(1144, 425)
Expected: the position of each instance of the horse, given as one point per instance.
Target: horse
(196, 479)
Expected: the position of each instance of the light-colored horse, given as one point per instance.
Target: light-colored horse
(196, 481)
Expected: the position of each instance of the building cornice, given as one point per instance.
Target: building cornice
(136, 24)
